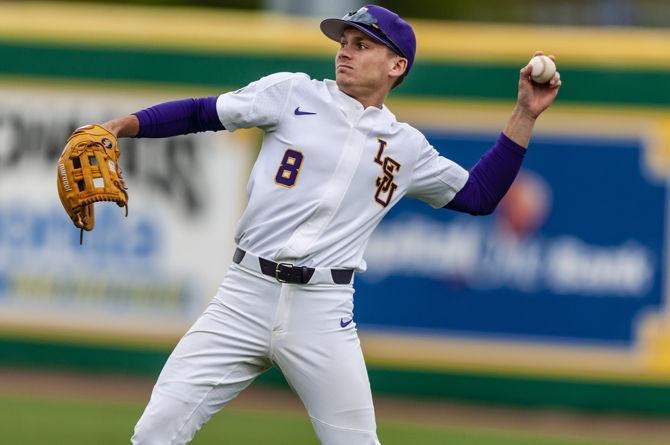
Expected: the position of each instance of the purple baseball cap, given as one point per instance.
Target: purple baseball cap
(379, 23)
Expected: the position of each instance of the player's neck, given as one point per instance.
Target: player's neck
(370, 100)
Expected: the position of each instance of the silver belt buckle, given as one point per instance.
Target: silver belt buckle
(277, 271)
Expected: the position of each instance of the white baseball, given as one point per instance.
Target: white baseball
(543, 69)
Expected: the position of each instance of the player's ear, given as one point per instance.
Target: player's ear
(398, 67)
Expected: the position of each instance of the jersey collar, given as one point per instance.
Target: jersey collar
(354, 108)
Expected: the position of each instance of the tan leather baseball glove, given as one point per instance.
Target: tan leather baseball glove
(88, 172)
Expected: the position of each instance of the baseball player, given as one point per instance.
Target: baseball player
(334, 160)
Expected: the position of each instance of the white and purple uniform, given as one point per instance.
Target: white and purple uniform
(327, 173)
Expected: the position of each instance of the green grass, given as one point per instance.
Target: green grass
(28, 421)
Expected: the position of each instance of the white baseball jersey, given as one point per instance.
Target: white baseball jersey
(328, 170)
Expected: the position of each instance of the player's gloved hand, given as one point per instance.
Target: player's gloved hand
(533, 98)
(88, 172)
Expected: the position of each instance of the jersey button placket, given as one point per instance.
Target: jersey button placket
(309, 232)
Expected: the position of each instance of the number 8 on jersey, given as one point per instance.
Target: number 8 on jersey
(289, 168)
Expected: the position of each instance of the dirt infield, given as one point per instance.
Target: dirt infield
(71, 385)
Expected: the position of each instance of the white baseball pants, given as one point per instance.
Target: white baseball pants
(252, 323)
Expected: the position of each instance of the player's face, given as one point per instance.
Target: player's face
(363, 65)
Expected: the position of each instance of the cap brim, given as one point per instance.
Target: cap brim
(334, 28)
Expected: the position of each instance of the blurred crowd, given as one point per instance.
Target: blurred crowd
(648, 13)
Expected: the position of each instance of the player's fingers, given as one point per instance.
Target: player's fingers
(538, 53)
(552, 57)
(556, 80)
(526, 70)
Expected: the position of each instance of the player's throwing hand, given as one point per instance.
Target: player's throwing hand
(533, 97)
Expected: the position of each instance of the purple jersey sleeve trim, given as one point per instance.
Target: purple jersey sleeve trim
(179, 117)
(490, 178)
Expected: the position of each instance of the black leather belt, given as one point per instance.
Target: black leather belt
(289, 273)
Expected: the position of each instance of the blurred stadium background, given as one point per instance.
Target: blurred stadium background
(545, 323)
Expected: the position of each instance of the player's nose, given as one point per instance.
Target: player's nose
(343, 53)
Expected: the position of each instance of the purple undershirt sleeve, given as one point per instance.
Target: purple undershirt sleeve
(490, 178)
(179, 117)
